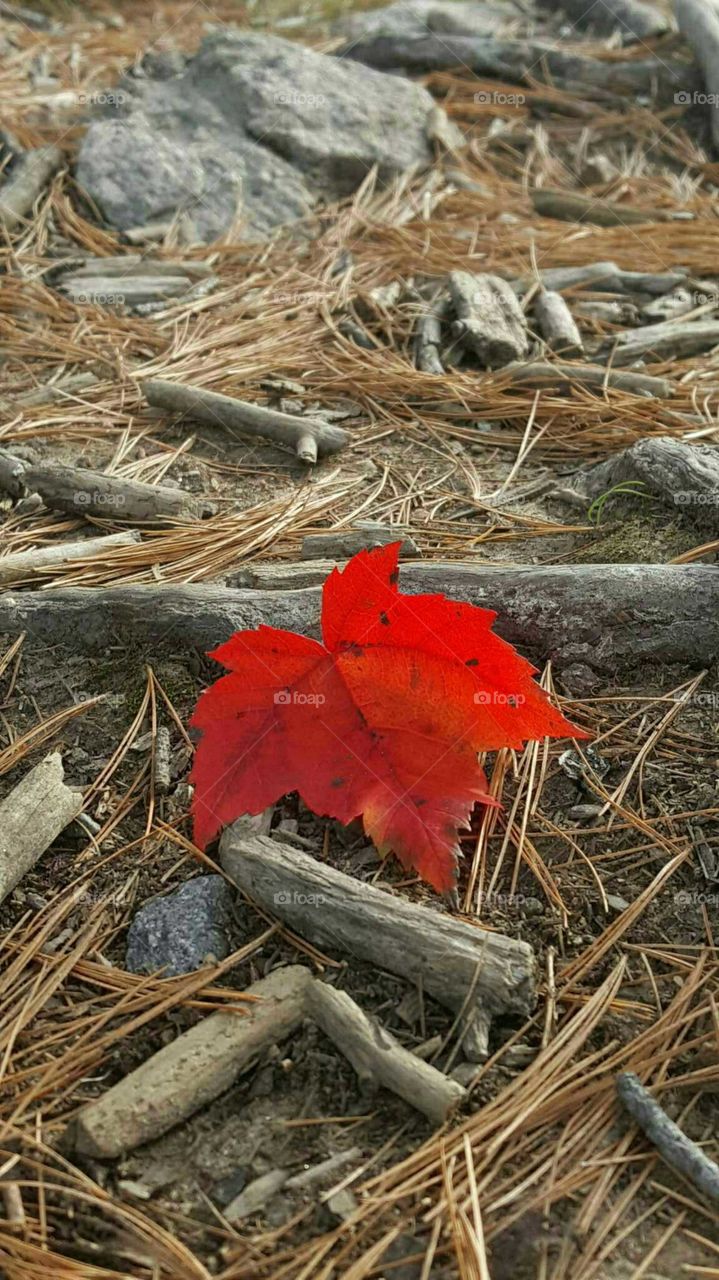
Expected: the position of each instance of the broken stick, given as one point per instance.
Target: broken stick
(28, 566)
(657, 342)
(309, 437)
(556, 324)
(80, 492)
(26, 183)
(539, 373)
(489, 319)
(675, 1148)
(31, 816)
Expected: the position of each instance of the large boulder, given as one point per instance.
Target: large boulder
(254, 125)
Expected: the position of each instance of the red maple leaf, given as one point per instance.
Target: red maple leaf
(384, 721)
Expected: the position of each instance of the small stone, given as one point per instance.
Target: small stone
(177, 933)
(228, 1188)
(615, 903)
(342, 1204)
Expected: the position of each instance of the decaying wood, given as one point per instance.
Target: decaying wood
(28, 179)
(341, 544)
(466, 968)
(80, 492)
(669, 307)
(31, 816)
(191, 1070)
(611, 617)
(686, 476)
(556, 324)
(378, 1058)
(541, 373)
(571, 206)
(255, 1195)
(614, 312)
(12, 471)
(698, 21)
(127, 291)
(603, 277)
(489, 319)
(128, 265)
(633, 19)
(25, 566)
(670, 340)
(309, 437)
(673, 1145)
(428, 337)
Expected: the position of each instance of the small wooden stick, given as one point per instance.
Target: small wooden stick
(80, 493)
(31, 816)
(26, 183)
(675, 1148)
(25, 566)
(252, 419)
(589, 375)
(556, 324)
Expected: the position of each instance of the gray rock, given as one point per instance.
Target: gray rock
(254, 125)
(178, 932)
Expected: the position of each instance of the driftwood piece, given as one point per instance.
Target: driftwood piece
(50, 391)
(608, 312)
(556, 324)
(540, 373)
(119, 291)
(427, 343)
(512, 60)
(603, 277)
(633, 19)
(12, 471)
(683, 475)
(657, 342)
(128, 265)
(26, 183)
(31, 816)
(489, 319)
(571, 206)
(378, 1058)
(468, 969)
(309, 437)
(341, 544)
(26, 566)
(609, 616)
(676, 1149)
(80, 492)
(698, 21)
(191, 1070)
(669, 307)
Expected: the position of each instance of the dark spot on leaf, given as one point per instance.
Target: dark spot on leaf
(383, 618)
(472, 662)
(338, 782)
(394, 577)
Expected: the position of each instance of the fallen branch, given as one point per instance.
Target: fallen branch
(128, 291)
(28, 179)
(192, 1070)
(309, 437)
(80, 492)
(466, 969)
(340, 544)
(556, 324)
(31, 816)
(667, 341)
(27, 566)
(675, 1148)
(570, 206)
(609, 616)
(427, 345)
(378, 1058)
(603, 277)
(682, 475)
(698, 21)
(12, 471)
(540, 373)
(489, 319)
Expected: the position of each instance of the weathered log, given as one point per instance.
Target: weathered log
(698, 21)
(658, 342)
(118, 291)
(540, 373)
(129, 265)
(28, 566)
(603, 277)
(80, 492)
(29, 176)
(610, 617)
(340, 544)
(608, 312)
(31, 816)
(682, 475)
(489, 320)
(427, 344)
(571, 206)
(224, 411)
(191, 1070)
(466, 968)
(556, 324)
(633, 19)
(676, 1149)
(378, 1058)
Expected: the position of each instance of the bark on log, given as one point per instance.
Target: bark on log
(570, 206)
(634, 19)
(464, 967)
(93, 493)
(251, 419)
(341, 544)
(698, 21)
(26, 183)
(658, 342)
(540, 373)
(675, 1148)
(489, 320)
(31, 817)
(512, 60)
(380, 1059)
(28, 566)
(683, 475)
(192, 1070)
(611, 617)
(557, 326)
